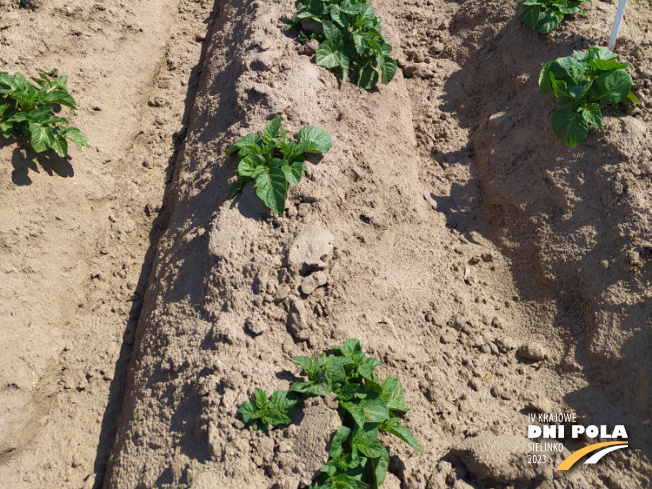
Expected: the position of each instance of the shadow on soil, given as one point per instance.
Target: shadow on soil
(499, 74)
(111, 416)
(24, 159)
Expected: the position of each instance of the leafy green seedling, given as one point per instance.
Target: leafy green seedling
(586, 81)
(350, 39)
(278, 409)
(29, 109)
(546, 15)
(273, 161)
(358, 460)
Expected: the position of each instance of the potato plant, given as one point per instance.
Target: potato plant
(278, 409)
(585, 81)
(367, 406)
(273, 161)
(29, 109)
(350, 39)
(546, 15)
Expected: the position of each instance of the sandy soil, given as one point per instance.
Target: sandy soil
(494, 271)
(78, 235)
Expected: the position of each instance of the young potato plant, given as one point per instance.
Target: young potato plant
(546, 15)
(273, 161)
(278, 409)
(29, 109)
(585, 81)
(367, 406)
(350, 39)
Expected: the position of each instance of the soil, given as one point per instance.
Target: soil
(496, 272)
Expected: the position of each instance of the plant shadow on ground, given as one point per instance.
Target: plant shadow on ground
(24, 159)
(499, 73)
(114, 406)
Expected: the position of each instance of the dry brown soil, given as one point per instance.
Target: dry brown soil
(496, 272)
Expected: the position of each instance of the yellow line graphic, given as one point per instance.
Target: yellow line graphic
(570, 461)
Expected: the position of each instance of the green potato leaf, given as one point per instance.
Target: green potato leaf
(392, 394)
(569, 10)
(544, 78)
(20, 83)
(570, 126)
(247, 166)
(61, 97)
(304, 362)
(283, 401)
(592, 115)
(39, 114)
(271, 186)
(612, 87)
(579, 91)
(348, 391)
(334, 370)
(311, 387)
(41, 137)
(360, 42)
(76, 136)
(345, 65)
(278, 409)
(344, 481)
(608, 64)
(350, 346)
(332, 33)
(6, 82)
(374, 408)
(328, 55)
(249, 142)
(388, 68)
(568, 70)
(367, 443)
(19, 117)
(338, 18)
(276, 417)
(248, 412)
(314, 139)
(235, 188)
(394, 427)
(356, 411)
(599, 52)
(549, 20)
(530, 14)
(546, 15)
(380, 466)
(336, 448)
(367, 77)
(51, 119)
(633, 98)
(272, 129)
(6, 128)
(366, 367)
(60, 145)
(60, 82)
(5, 107)
(319, 361)
(261, 399)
